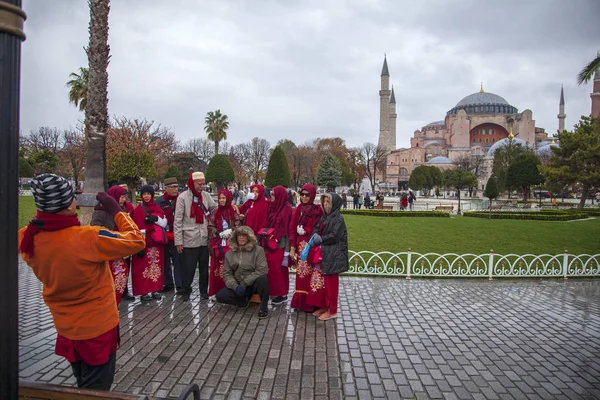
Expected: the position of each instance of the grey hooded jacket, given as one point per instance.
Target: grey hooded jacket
(244, 264)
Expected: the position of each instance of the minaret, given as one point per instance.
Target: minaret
(393, 117)
(595, 95)
(384, 107)
(561, 111)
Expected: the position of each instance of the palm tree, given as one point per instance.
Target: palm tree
(96, 110)
(216, 127)
(588, 72)
(78, 88)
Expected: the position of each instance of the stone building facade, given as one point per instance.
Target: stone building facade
(473, 126)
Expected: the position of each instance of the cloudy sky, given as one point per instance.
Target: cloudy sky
(304, 69)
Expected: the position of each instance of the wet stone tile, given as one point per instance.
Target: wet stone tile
(450, 339)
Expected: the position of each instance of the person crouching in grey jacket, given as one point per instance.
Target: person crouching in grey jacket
(245, 272)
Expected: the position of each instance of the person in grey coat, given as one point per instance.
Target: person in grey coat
(190, 225)
(331, 234)
(245, 272)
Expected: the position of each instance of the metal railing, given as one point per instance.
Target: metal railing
(490, 265)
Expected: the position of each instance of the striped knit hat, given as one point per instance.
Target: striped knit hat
(52, 193)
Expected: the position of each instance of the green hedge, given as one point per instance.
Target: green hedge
(534, 216)
(389, 213)
(589, 211)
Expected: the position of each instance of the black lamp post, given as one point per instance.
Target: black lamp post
(11, 36)
(459, 168)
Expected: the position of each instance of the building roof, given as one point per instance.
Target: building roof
(504, 142)
(484, 103)
(481, 98)
(393, 97)
(440, 160)
(441, 122)
(562, 96)
(546, 148)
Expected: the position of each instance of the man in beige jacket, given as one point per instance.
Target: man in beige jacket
(190, 225)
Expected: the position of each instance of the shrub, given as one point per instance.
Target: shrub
(278, 172)
(534, 216)
(388, 213)
(219, 171)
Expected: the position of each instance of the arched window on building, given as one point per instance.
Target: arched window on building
(403, 172)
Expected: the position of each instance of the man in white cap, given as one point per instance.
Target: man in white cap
(190, 225)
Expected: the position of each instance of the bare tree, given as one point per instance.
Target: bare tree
(45, 138)
(259, 152)
(238, 157)
(203, 149)
(473, 163)
(73, 153)
(372, 158)
(224, 148)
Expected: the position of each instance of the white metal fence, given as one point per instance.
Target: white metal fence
(491, 265)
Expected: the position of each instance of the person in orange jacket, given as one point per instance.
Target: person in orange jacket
(71, 261)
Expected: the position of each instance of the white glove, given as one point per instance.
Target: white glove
(250, 196)
(225, 234)
(300, 230)
(162, 222)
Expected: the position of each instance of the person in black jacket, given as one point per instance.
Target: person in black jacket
(331, 234)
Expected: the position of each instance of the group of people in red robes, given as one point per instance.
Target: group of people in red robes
(283, 232)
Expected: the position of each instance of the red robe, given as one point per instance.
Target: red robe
(147, 272)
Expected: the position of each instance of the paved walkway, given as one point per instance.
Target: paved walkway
(452, 339)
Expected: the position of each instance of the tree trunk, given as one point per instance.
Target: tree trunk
(584, 195)
(96, 111)
(132, 185)
(216, 147)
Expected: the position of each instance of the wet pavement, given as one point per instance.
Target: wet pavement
(423, 339)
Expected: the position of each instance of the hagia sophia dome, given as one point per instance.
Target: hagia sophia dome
(505, 142)
(484, 103)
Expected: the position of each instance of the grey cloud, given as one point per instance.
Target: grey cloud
(307, 69)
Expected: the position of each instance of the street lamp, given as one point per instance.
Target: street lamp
(459, 212)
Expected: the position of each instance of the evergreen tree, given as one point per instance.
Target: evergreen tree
(491, 191)
(174, 172)
(577, 160)
(524, 172)
(219, 171)
(424, 178)
(329, 173)
(25, 168)
(278, 171)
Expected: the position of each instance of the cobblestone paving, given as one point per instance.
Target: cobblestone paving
(424, 339)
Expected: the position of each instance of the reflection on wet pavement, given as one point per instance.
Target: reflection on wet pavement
(394, 339)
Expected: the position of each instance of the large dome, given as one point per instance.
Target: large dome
(484, 103)
(481, 98)
(504, 142)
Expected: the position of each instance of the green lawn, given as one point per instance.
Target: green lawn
(472, 235)
(452, 235)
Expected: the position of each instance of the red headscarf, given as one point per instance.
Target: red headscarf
(256, 214)
(226, 212)
(307, 215)
(116, 192)
(197, 210)
(310, 209)
(280, 212)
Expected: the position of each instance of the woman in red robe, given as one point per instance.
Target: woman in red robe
(304, 219)
(120, 267)
(225, 220)
(280, 214)
(148, 266)
(255, 209)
